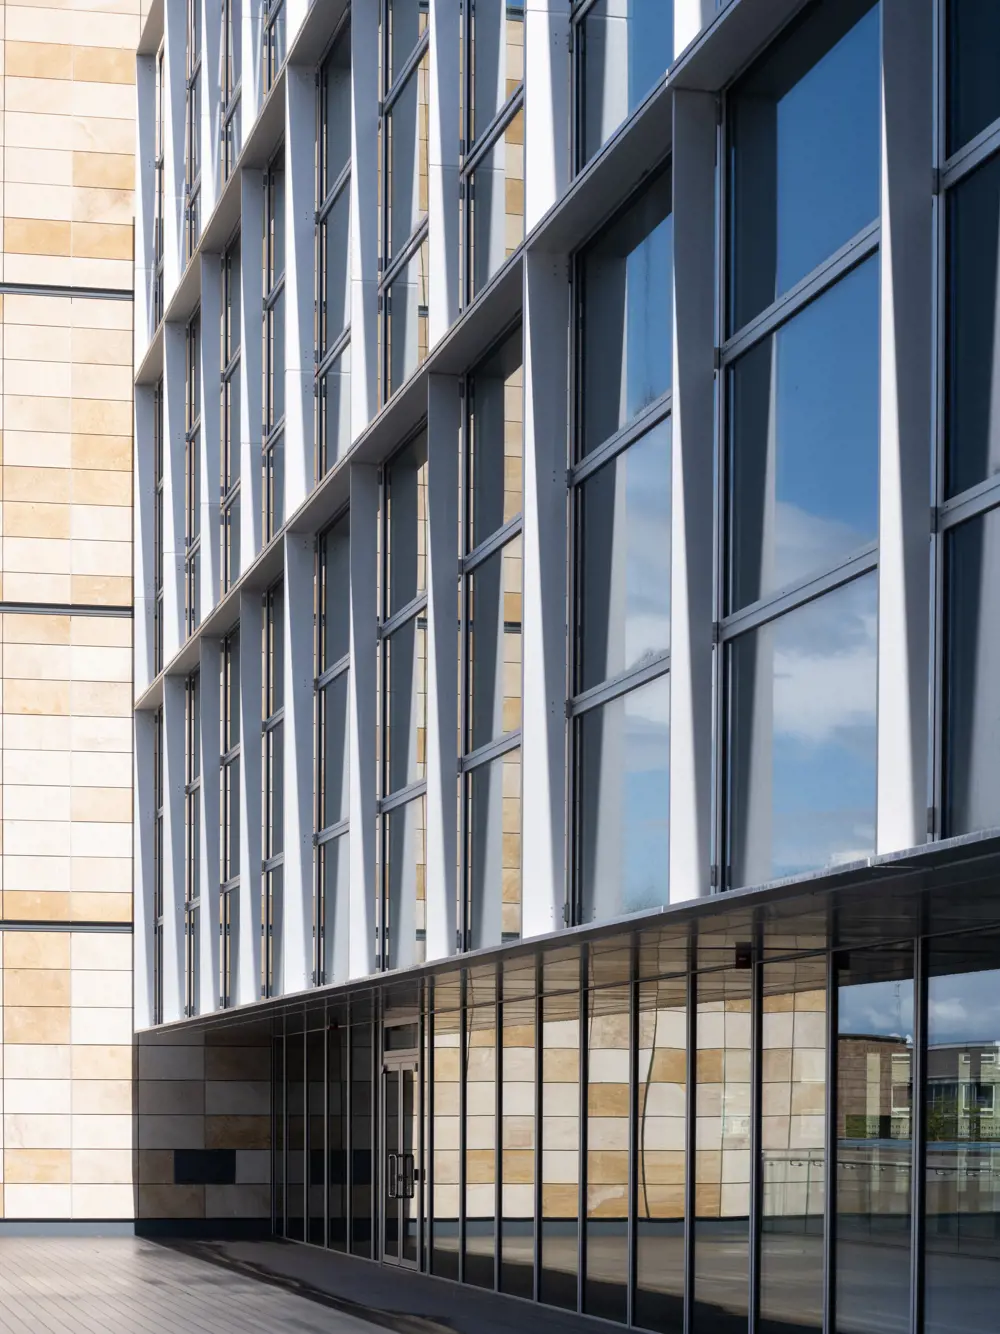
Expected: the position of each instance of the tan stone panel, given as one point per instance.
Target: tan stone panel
(27, 629)
(42, 166)
(36, 1023)
(97, 1166)
(31, 413)
(97, 907)
(101, 1062)
(35, 342)
(103, 171)
(37, 60)
(101, 64)
(35, 906)
(93, 240)
(36, 1165)
(37, 697)
(94, 487)
(156, 1166)
(101, 590)
(36, 485)
(93, 447)
(26, 1061)
(29, 950)
(37, 236)
(25, 587)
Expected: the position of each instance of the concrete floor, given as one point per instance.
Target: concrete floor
(91, 1285)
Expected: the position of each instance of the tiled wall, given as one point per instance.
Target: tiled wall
(67, 1134)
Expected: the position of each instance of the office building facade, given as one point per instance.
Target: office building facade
(566, 802)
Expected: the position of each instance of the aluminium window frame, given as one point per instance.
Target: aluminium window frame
(192, 127)
(272, 736)
(192, 472)
(473, 149)
(580, 468)
(273, 427)
(728, 626)
(390, 266)
(230, 760)
(328, 195)
(192, 839)
(158, 877)
(273, 47)
(230, 110)
(232, 352)
(158, 526)
(158, 190)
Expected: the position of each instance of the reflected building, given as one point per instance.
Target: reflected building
(566, 714)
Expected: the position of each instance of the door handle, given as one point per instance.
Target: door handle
(409, 1177)
(392, 1176)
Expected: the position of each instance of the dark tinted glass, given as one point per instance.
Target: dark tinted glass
(962, 1108)
(625, 560)
(336, 264)
(973, 425)
(316, 1125)
(335, 624)
(626, 49)
(361, 1128)
(406, 493)
(973, 69)
(335, 411)
(803, 442)
(495, 850)
(406, 694)
(804, 158)
(334, 791)
(494, 645)
(972, 678)
(802, 738)
(480, 1144)
(874, 1107)
(278, 1144)
(295, 1151)
(406, 863)
(560, 1158)
(628, 316)
(606, 1278)
(336, 1124)
(496, 442)
(336, 95)
(624, 797)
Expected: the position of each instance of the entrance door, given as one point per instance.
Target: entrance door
(400, 1136)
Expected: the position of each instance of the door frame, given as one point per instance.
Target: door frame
(393, 1063)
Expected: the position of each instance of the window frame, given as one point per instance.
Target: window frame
(273, 48)
(192, 839)
(158, 876)
(231, 90)
(230, 461)
(158, 522)
(272, 741)
(230, 759)
(274, 308)
(192, 473)
(192, 122)
(158, 200)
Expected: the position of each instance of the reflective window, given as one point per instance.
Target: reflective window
(332, 751)
(405, 831)
(362, 1124)
(229, 815)
(158, 529)
(626, 293)
(494, 645)
(605, 1291)
(792, 1145)
(972, 451)
(962, 1114)
(337, 1137)
(230, 409)
(273, 769)
(274, 348)
(874, 1119)
(446, 1112)
(192, 474)
(192, 842)
(803, 442)
(721, 1227)
(625, 48)
(973, 57)
(496, 204)
(623, 807)
(316, 1151)
(496, 38)
(661, 1154)
(278, 1138)
(192, 136)
(406, 314)
(802, 738)
(517, 1143)
(804, 152)
(273, 46)
(406, 531)
(494, 856)
(295, 1140)
(333, 311)
(495, 450)
(561, 1145)
(480, 1144)
(972, 677)
(405, 682)
(232, 61)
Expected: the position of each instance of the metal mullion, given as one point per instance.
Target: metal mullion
(487, 140)
(412, 609)
(493, 750)
(769, 609)
(971, 504)
(427, 1124)
(830, 1146)
(970, 156)
(813, 285)
(632, 1188)
(618, 685)
(582, 1109)
(690, 1138)
(918, 1135)
(492, 544)
(581, 9)
(498, 1132)
(400, 261)
(463, 1132)
(273, 720)
(338, 669)
(756, 1166)
(936, 710)
(331, 832)
(628, 435)
(273, 292)
(231, 366)
(409, 65)
(335, 191)
(348, 1134)
(270, 864)
(537, 1254)
(402, 796)
(336, 350)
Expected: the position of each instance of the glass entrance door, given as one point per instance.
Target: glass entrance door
(400, 1174)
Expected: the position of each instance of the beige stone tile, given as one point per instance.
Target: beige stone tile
(102, 1131)
(36, 1166)
(27, 950)
(37, 1201)
(44, 804)
(38, 587)
(27, 629)
(36, 236)
(41, 1062)
(94, 447)
(37, 485)
(103, 1200)
(94, 733)
(93, 240)
(87, 907)
(36, 906)
(113, 171)
(51, 166)
(37, 732)
(49, 1097)
(101, 559)
(100, 952)
(100, 699)
(37, 60)
(169, 1201)
(47, 987)
(102, 632)
(101, 804)
(94, 988)
(103, 1027)
(95, 838)
(110, 876)
(36, 838)
(99, 64)
(35, 1023)
(102, 1097)
(101, 590)
(21, 520)
(35, 1132)
(99, 487)
(101, 1062)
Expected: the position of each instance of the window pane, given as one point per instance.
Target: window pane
(496, 204)
(335, 611)
(335, 262)
(278, 1089)
(722, 1161)
(497, 56)
(480, 1144)
(494, 601)
(406, 864)
(406, 495)
(447, 1141)
(336, 112)
(803, 442)
(274, 834)
(316, 1113)
(625, 563)
(973, 69)
(608, 1115)
(407, 319)
(518, 1147)
(963, 1128)
(495, 851)
(805, 135)
(335, 411)
(972, 423)
(276, 361)
(407, 21)
(334, 882)
(874, 1092)
(334, 795)
(972, 677)
(336, 1124)
(802, 738)
(661, 1152)
(406, 131)
(623, 817)
(627, 46)
(560, 1149)
(362, 1126)
(406, 691)
(496, 442)
(295, 1151)
(628, 316)
(793, 1130)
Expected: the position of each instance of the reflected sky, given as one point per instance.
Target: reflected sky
(878, 1009)
(964, 1008)
(627, 50)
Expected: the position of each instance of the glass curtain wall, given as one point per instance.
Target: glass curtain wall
(333, 643)
(230, 84)
(492, 171)
(969, 479)
(404, 82)
(158, 209)
(158, 517)
(274, 44)
(620, 489)
(229, 816)
(192, 474)
(230, 408)
(273, 803)
(623, 50)
(192, 136)
(801, 458)
(273, 489)
(333, 237)
(490, 643)
(402, 598)
(157, 1006)
(192, 839)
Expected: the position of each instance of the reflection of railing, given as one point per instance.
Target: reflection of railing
(793, 1186)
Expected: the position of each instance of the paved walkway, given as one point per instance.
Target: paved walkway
(92, 1285)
